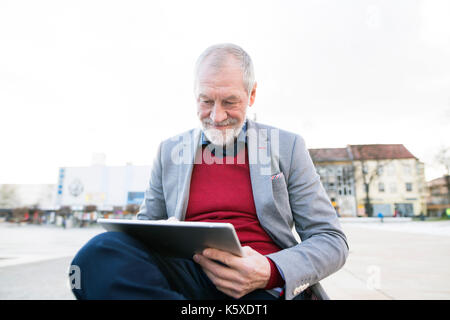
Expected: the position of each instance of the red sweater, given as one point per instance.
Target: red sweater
(222, 192)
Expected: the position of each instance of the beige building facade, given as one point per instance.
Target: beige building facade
(397, 188)
(438, 201)
(395, 179)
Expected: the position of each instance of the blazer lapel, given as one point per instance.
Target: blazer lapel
(188, 153)
(261, 170)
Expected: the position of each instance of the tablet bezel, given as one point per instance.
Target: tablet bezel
(168, 237)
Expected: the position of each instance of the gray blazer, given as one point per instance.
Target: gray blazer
(289, 199)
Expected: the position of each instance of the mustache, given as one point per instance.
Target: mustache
(227, 122)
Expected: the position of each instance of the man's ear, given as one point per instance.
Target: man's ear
(252, 97)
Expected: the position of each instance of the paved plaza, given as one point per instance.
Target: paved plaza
(390, 260)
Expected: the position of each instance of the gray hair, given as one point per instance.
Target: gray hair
(221, 52)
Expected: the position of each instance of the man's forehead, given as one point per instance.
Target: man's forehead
(223, 86)
(224, 95)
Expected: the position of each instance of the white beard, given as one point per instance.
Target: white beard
(221, 137)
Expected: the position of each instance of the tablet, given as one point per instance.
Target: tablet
(178, 238)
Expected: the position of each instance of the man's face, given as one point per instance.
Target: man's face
(222, 101)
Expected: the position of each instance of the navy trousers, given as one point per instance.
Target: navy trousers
(113, 265)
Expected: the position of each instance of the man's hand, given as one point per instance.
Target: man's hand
(239, 275)
(171, 219)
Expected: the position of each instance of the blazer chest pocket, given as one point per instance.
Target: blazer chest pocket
(278, 183)
(281, 196)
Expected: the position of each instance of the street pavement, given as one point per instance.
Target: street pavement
(35, 260)
(394, 261)
(402, 260)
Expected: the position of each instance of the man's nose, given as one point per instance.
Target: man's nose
(218, 114)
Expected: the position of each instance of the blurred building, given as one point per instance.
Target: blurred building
(394, 178)
(335, 169)
(438, 201)
(40, 196)
(105, 187)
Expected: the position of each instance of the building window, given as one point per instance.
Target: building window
(420, 168)
(390, 169)
(393, 187)
(365, 169)
(436, 191)
(407, 169)
(408, 186)
(381, 187)
(380, 170)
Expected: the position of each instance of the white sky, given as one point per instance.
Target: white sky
(115, 77)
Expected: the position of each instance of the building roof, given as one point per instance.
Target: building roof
(437, 182)
(380, 151)
(329, 154)
(361, 152)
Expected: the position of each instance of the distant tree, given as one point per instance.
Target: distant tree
(8, 196)
(19, 214)
(442, 158)
(35, 214)
(90, 208)
(368, 173)
(64, 210)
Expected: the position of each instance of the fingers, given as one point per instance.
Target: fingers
(233, 275)
(222, 256)
(226, 279)
(223, 285)
(214, 268)
(230, 288)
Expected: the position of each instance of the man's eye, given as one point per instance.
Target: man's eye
(207, 101)
(229, 102)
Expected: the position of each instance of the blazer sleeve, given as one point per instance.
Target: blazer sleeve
(324, 247)
(153, 206)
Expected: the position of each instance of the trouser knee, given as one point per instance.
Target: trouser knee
(96, 261)
(108, 244)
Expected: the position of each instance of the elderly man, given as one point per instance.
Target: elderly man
(259, 178)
